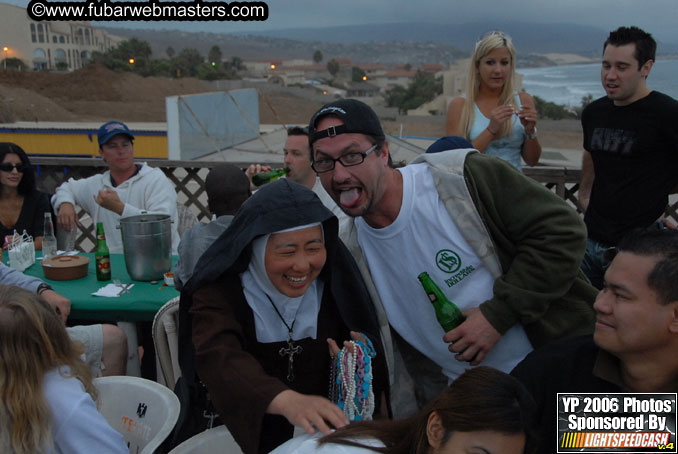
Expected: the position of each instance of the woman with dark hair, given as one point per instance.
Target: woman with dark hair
(22, 206)
(263, 304)
(484, 411)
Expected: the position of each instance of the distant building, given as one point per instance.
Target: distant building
(262, 67)
(66, 45)
(390, 79)
(285, 77)
(362, 90)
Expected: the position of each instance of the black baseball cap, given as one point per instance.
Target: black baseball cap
(357, 116)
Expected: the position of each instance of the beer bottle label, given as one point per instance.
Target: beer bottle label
(104, 263)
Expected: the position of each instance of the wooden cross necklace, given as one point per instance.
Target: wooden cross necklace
(291, 349)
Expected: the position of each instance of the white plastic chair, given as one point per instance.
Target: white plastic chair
(217, 440)
(143, 411)
(166, 341)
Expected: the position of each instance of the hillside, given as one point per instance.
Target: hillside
(95, 93)
(401, 43)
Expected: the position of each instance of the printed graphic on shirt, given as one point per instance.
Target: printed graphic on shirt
(449, 262)
(615, 141)
(457, 278)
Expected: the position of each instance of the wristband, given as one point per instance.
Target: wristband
(43, 288)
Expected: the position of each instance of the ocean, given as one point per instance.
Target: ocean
(568, 84)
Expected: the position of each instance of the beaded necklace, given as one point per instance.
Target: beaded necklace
(352, 384)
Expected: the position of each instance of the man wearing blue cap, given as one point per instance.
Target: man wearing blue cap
(125, 189)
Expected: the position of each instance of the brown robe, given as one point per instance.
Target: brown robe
(243, 375)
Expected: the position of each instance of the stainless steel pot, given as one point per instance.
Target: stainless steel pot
(147, 243)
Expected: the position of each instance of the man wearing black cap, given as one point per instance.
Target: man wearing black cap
(499, 245)
(126, 189)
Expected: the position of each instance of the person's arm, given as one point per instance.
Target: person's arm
(453, 121)
(587, 176)
(10, 276)
(159, 196)
(545, 237)
(528, 117)
(254, 169)
(480, 143)
(71, 193)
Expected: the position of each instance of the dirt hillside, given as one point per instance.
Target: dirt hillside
(95, 93)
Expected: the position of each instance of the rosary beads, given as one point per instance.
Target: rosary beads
(355, 395)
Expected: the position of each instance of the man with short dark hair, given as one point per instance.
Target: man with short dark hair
(125, 189)
(297, 158)
(227, 188)
(499, 245)
(630, 162)
(634, 347)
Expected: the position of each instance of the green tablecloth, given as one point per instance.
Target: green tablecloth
(141, 303)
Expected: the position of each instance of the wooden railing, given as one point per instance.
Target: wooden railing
(188, 178)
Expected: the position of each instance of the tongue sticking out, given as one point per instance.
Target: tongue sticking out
(349, 198)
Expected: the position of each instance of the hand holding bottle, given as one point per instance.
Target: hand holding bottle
(254, 169)
(473, 339)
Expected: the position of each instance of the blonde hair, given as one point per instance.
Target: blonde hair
(487, 43)
(33, 341)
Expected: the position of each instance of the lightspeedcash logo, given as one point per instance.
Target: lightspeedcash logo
(151, 10)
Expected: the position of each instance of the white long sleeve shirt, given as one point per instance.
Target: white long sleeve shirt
(149, 190)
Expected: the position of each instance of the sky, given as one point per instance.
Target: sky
(659, 17)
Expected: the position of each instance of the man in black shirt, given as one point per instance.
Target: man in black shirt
(635, 341)
(631, 140)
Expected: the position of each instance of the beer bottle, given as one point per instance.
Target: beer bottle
(49, 242)
(101, 255)
(259, 179)
(449, 316)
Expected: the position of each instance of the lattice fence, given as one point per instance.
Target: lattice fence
(189, 177)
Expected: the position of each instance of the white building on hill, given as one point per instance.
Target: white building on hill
(65, 45)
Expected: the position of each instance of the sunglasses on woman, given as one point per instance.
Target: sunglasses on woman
(7, 167)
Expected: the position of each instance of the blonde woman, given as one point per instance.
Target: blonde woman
(497, 120)
(46, 391)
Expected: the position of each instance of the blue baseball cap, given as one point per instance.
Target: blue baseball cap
(449, 143)
(112, 128)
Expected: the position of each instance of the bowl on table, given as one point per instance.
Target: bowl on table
(65, 267)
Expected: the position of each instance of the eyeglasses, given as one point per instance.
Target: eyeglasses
(348, 160)
(7, 167)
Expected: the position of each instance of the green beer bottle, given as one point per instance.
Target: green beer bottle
(259, 179)
(102, 256)
(449, 316)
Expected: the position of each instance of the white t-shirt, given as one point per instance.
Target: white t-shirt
(308, 444)
(424, 238)
(77, 425)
